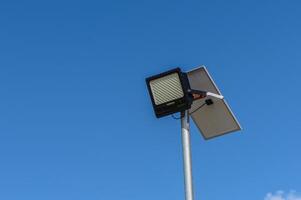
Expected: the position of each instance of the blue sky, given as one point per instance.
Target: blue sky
(77, 122)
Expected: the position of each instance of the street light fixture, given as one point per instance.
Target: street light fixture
(168, 92)
(192, 94)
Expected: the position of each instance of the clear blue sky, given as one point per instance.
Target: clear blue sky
(76, 121)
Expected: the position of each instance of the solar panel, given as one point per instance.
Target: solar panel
(212, 120)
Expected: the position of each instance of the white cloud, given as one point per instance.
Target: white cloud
(280, 195)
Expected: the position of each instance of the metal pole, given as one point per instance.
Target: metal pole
(187, 155)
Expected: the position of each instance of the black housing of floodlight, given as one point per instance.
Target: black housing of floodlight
(169, 92)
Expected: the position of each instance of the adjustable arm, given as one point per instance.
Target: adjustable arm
(197, 94)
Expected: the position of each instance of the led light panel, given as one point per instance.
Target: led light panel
(166, 88)
(169, 92)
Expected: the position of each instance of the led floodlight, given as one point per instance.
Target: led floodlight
(169, 92)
